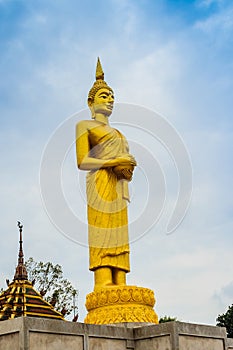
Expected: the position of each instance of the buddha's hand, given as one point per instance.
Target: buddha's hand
(126, 159)
(124, 169)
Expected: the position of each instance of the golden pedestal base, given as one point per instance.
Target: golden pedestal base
(118, 304)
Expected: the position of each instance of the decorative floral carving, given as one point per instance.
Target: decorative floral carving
(125, 295)
(113, 297)
(137, 295)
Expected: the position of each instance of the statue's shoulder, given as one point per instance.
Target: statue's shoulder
(87, 124)
(84, 125)
(83, 122)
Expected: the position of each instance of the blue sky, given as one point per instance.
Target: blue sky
(174, 57)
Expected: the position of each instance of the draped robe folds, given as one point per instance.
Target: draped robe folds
(107, 202)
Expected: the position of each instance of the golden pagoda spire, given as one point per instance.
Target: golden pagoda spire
(20, 298)
(21, 271)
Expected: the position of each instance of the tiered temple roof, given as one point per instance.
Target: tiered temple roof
(20, 298)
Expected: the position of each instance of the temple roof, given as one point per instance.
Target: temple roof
(20, 298)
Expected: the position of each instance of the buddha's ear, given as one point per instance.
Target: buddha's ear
(90, 102)
(91, 106)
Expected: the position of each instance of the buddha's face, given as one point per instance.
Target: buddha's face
(103, 102)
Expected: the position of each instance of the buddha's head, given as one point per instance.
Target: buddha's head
(101, 96)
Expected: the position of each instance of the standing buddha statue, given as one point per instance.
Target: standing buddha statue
(103, 152)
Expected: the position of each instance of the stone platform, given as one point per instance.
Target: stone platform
(29, 333)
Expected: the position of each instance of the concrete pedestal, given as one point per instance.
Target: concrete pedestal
(26, 333)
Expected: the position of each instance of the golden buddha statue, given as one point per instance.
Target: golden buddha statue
(103, 151)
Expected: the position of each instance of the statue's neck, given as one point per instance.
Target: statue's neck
(102, 118)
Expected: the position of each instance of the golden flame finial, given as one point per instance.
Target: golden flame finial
(99, 71)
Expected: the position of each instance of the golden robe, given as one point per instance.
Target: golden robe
(107, 202)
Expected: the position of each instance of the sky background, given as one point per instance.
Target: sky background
(173, 57)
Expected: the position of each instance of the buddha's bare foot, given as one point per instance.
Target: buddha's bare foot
(119, 277)
(103, 277)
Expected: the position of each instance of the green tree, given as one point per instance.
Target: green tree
(165, 319)
(49, 281)
(226, 320)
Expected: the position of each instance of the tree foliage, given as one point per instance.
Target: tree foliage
(226, 320)
(165, 319)
(49, 281)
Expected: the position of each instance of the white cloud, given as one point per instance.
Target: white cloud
(223, 297)
(221, 21)
(207, 3)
